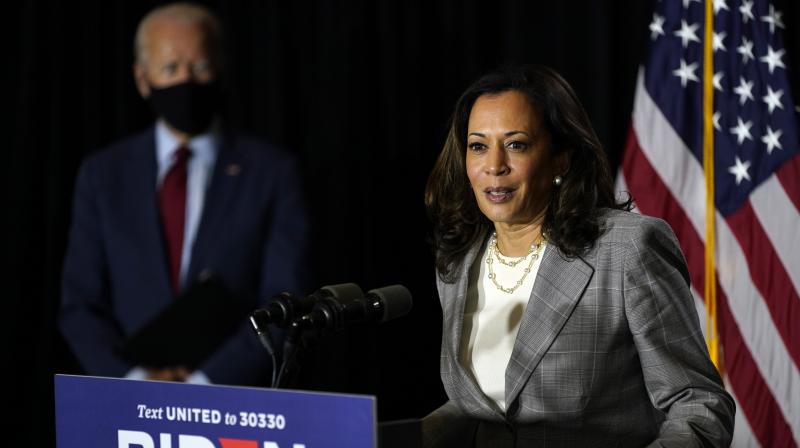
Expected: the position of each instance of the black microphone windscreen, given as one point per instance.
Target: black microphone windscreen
(344, 292)
(396, 301)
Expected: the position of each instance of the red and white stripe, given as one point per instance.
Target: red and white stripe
(758, 269)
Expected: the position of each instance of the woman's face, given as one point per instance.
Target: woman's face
(510, 163)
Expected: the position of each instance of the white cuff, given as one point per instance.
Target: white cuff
(198, 377)
(136, 373)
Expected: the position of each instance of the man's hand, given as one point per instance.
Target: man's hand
(178, 374)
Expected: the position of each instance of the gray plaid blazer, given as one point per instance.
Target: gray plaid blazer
(609, 354)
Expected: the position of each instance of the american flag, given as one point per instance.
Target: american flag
(757, 181)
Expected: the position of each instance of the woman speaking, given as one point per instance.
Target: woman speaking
(568, 320)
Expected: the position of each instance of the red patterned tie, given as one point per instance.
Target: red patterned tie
(172, 205)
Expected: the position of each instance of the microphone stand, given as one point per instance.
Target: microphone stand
(290, 365)
(330, 313)
(283, 375)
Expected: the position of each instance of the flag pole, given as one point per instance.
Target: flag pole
(708, 167)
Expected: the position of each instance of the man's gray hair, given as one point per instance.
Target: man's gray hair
(187, 13)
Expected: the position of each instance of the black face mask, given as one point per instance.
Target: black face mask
(188, 107)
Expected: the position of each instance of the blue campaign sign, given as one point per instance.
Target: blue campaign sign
(108, 412)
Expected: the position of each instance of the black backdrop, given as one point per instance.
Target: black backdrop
(361, 90)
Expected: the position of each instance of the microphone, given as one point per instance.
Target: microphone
(378, 305)
(285, 307)
(387, 303)
(331, 307)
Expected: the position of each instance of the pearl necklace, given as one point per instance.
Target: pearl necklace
(532, 255)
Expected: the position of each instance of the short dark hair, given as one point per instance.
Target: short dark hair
(572, 219)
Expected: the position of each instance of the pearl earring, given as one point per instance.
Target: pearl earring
(557, 180)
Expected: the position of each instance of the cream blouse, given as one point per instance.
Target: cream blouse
(492, 318)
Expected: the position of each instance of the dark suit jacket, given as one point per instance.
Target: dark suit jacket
(609, 354)
(252, 234)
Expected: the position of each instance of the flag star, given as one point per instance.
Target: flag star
(716, 41)
(742, 130)
(687, 33)
(775, 18)
(740, 170)
(717, 80)
(716, 118)
(772, 139)
(744, 90)
(773, 99)
(773, 58)
(656, 26)
(720, 4)
(686, 72)
(686, 3)
(746, 50)
(747, 11)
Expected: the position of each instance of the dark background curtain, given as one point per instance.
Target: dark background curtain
(360, 90)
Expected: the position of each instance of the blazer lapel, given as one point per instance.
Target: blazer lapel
(459, 290)
(141, 210)
(558, 287)
(228, 169)
(454, 327)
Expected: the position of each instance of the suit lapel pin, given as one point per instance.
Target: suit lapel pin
(233, 169)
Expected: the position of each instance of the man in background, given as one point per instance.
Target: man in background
(181, 200)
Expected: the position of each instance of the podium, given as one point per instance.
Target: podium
(111, 412)
(107, 412)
